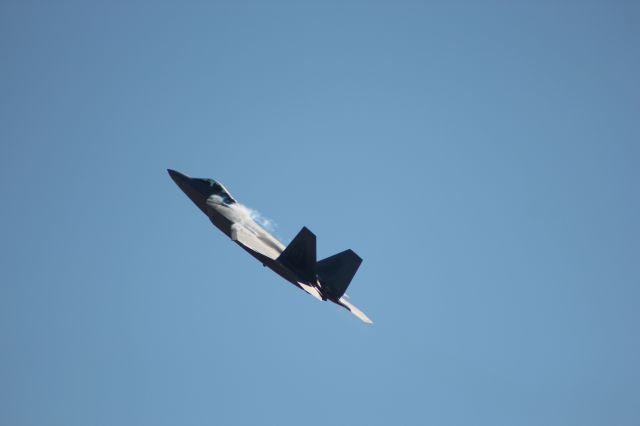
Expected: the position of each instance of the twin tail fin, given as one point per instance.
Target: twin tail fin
(333, 274)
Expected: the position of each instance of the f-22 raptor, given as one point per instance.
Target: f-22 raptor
(326, 279)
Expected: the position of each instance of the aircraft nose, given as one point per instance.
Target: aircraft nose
(191, 187)
(176, 176)
(183, 182)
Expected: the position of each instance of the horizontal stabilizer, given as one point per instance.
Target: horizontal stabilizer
(300, 255)
(355, 311)
(336, 272)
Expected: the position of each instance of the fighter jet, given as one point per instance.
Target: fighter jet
(326, 279)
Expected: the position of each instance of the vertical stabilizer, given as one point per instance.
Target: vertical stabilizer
(336, 272)
(300, 255)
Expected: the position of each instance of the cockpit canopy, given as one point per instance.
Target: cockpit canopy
(216, 188)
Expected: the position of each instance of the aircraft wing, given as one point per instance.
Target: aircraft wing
(248, 239)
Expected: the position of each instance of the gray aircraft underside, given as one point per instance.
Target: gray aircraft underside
(326, 279)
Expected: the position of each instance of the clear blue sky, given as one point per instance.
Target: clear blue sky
(483, 159)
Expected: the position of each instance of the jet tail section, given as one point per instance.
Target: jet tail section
(336, 272)
(300, 255)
